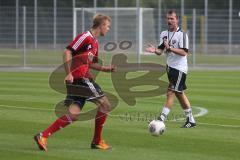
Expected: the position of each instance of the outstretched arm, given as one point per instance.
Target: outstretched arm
(96, 66)
(153, 49)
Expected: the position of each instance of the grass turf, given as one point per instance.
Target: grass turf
(52, 58)
(27, 107)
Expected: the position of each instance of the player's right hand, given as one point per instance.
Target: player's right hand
(150, 48)
(69, 78)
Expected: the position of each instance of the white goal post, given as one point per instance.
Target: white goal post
(132, 24)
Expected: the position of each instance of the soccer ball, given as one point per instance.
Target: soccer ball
(156, 127)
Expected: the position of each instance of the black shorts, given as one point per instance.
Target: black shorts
(176, 79)
(81, 90)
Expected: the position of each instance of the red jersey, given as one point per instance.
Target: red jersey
(84, 52)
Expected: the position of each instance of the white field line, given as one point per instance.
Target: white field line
(26, 108)
(202, 112)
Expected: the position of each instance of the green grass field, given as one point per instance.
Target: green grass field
(52, 58)
(27, 107)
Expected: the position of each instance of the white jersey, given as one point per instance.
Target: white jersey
(178, 39)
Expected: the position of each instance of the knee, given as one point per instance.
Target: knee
(74, 117)
(74, 112)
(179, 94)
(170, 94)
(105, 106)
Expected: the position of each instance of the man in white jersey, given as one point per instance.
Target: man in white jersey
(174, 43)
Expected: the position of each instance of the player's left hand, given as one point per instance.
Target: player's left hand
(110, 68)
(113, 68)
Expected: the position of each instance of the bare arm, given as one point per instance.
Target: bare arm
(67, 56)
(178, 51)
(96, 66)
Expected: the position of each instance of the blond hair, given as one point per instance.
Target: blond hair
(99, 19)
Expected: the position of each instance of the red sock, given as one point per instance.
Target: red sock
(58, 124)
(99, 122)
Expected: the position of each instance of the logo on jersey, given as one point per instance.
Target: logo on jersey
(174, 41)
(89, 47)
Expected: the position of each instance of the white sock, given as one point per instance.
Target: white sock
(188, 113)
(165, 112)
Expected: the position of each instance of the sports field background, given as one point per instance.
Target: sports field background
(27, 101)
(53, 58)
(27, 107)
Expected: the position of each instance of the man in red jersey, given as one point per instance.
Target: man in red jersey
(80, 56)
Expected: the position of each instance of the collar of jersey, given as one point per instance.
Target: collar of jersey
(178, 29)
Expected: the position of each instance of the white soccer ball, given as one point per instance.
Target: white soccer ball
(156, 127)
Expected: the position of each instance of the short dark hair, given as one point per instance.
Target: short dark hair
(98, 19)
(173, 12)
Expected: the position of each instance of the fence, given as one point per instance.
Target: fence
(214, 33)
